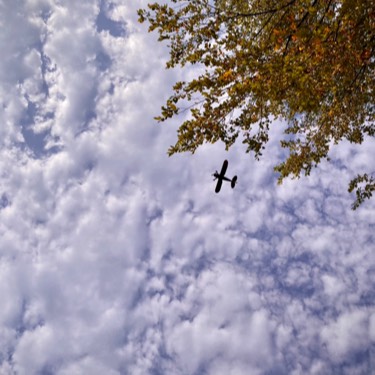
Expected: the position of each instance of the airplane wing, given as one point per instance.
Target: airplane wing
(218, 185)
(223, 169)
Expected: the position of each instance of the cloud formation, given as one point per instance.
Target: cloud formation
(115, 259)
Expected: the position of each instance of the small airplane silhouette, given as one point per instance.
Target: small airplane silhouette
(221, 177)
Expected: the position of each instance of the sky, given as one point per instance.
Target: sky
(117, 259)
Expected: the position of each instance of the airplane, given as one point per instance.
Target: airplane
(221, 177)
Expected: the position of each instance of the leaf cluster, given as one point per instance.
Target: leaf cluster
(309, 62)
(362, 192)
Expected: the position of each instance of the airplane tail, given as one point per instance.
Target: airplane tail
(233, 182)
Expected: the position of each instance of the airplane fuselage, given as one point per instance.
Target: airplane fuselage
(217, 175)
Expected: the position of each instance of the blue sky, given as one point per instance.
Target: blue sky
(115, 259)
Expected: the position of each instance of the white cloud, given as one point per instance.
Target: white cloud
(347, 336)
(117, 259)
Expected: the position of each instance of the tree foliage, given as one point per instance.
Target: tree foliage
(309, 62)
(362, 193)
